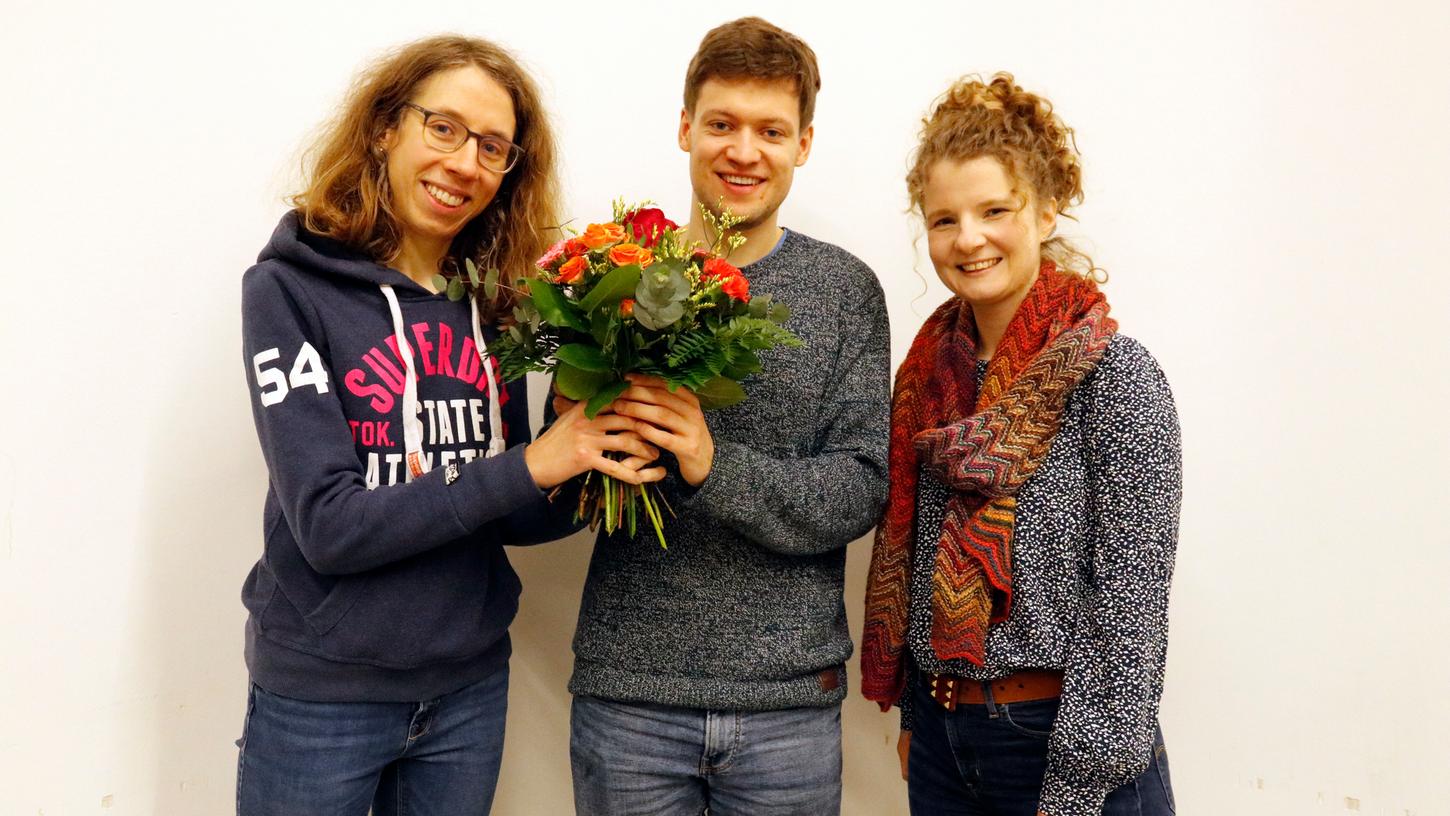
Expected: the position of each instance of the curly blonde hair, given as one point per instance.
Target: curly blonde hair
(347, 198)
(997, 118)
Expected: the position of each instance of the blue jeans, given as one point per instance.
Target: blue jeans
(970, 763)
(431, 758)
(641, 759)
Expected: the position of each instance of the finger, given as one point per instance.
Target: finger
(635, 462)
(648, 380)
(629, 444)
(674, 443)
(660, 396)
(613, 423)
(616, 470)
(657, 415)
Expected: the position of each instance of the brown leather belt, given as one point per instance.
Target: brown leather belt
(1020, 687)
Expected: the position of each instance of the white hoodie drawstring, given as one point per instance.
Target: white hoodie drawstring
(412, 424)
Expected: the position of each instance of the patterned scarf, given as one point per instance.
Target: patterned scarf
(982, 446)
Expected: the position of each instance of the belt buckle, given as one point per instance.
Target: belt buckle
(944, 690)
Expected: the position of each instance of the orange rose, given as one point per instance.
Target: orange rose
(572, 269)
(599, 236)
(626, 254)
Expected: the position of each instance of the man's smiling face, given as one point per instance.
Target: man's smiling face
(745, 141)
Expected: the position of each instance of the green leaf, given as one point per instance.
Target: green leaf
(578, 384)
(743, 363)
(472, 271)
(779, 313)
(662, 285)
(603, 397)
(490, 283)
(612, 288)
(719, 392)
(440, 283)
(517, 335)
(456, 290)
(553, 307)
(600, 325)
(759, 306)
(658, 319)
(583, 356)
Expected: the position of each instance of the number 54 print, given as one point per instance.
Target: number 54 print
(307, 369)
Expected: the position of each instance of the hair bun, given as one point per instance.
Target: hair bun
(998, 118)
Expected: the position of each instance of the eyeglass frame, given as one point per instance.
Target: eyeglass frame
(515, 152)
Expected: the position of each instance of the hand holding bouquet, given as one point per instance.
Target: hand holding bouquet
(631, 296)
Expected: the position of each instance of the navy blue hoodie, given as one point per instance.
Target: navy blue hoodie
(376, 584)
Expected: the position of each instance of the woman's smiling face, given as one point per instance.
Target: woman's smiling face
(435, 194)
(984, 233)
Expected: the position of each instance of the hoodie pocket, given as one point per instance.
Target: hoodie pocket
(337, 603)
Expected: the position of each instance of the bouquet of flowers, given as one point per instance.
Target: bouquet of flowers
(632, 296)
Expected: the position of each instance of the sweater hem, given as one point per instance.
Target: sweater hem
(290, 673)
(706, 693)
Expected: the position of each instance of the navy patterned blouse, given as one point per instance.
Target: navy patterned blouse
(1092, 559)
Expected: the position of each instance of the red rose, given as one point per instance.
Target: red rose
(575, 247)
(648, 225)
(737, 287)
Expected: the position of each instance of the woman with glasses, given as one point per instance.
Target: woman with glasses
(377, 634)
(1017, 602)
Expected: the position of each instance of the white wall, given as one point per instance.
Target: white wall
(1266, 184)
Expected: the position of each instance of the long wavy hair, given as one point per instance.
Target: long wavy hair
(997, 118)
(347, 198)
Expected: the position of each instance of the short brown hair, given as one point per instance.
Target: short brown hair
(751, 48)
(346, 195)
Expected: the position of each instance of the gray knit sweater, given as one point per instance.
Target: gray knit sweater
(744, 610)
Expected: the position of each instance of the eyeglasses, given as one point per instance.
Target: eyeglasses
(443, 132)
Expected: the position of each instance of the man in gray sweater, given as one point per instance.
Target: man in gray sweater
(711, 674)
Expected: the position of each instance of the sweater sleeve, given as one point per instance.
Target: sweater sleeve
(340, 525)
(818, 503)
(1103, 736)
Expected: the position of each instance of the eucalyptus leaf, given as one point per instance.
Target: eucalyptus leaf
(456, 291)
(472, 271)
(517, 335)
(583, 356)
(760, 306)
(554, 308)
(780, 313)
(603, 397)
(719, 392)
(612, 288)
(578, 384)
(440, 283)
(490, 283)
(661, 285)
(658, 319)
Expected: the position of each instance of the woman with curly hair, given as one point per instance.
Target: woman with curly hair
(1017, 603)
(377, 634)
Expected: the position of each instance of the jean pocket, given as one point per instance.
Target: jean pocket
(1033, 718)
